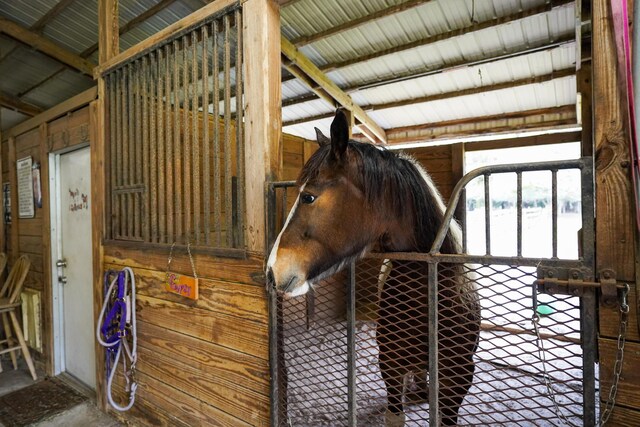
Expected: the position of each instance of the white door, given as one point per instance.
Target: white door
(75, 271)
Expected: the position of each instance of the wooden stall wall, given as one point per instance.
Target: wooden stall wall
(31, 236)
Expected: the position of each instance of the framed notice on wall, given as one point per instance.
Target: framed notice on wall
(25, 188)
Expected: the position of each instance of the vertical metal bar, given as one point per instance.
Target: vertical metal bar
(217, 208)
(146, 225)
(519, 211)
(132, 212)
(487, 214)
(589, 350)
(195, 162)
(239, 133)
(351, 345)
(126, 219)
(273, 355)
(554, 212)
(138, 144)
(588, 213)
(463, 213)
(113, 138)
(434, 383)
(206, 170)
(170, 97)
(119, 211)
(228, 207)
(177, 161)
(153, 144)
(161, 167)
(186, 154)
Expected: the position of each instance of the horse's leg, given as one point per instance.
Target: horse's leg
(456, 377)
(392, 374)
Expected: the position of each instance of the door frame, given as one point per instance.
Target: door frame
(57, 300)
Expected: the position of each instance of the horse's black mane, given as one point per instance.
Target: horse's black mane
(388, 177)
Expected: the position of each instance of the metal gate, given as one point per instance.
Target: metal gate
(531, 367)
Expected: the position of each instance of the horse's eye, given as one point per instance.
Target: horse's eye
(307, 198)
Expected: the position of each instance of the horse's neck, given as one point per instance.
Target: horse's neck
(399, 237)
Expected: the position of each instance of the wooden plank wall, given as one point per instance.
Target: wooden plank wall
(30, 236)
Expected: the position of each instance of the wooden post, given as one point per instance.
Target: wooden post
(47, 297)
(13, 184)
(109, 46)
(615, 222)
(263, 119)
(108, 30)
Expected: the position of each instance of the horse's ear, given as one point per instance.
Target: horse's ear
(339, 133)
(322, 138)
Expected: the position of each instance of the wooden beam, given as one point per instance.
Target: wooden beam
(13, 184)
(525, 141)
(382, 13)
(45, 46)
(263, 118)
(321, 79)
(50, 15)
(70, 104)
(449, 95)
(429, 70)
(108, 33)
(16, 104)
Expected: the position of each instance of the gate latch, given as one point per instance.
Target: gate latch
(570, 281)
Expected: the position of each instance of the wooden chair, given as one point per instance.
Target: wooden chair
(9, 301)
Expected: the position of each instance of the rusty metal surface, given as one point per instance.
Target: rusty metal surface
(176, 143)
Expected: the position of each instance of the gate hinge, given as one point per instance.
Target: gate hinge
(570, 281)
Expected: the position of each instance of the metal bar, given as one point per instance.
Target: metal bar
(273, 356)
(434, 385)
(228, 207)
(589, 350)
(195, 137)
(138, 143)
(111, 205)
(132, 212)
(217, 208)
(487, 214)
(206, 161)
(119, 208)
(519, 211)
(146, 225)
(161, 165)
(554, 212)
(463, 221)
(153, 144)
(177, 150)
(527, 167)
(186, 154)
(239, 132)
(588, 213)
(351, 346)
(169, 141)
(125, 153)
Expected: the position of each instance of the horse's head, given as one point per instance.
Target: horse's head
(330, 222)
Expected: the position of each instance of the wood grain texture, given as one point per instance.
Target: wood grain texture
(13, 182)
(610, 319)
(629, 386)
(45, 250)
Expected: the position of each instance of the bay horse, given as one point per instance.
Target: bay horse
(356, 197)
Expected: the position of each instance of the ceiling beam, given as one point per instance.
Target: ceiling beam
(382, 13)
(517, 121)
(430, 70)
(323, 82)
(560, 74)
(16, 104)
(45, 46)
(50, 15)
(448, 35)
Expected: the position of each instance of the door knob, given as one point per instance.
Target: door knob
(61, 263)
(62, 279)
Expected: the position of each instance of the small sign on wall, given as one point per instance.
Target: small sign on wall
(25, 188)
(185, 286)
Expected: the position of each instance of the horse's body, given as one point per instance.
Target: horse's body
(356, 197)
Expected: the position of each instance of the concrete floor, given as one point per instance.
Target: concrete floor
(82, 415)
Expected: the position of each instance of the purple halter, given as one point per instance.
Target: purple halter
(114, 324)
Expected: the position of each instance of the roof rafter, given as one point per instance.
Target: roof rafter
(447, 35)
(326, 85)
(45, 46)
(50, 15)
(16, 104)
(449, 95)
(391, 10)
